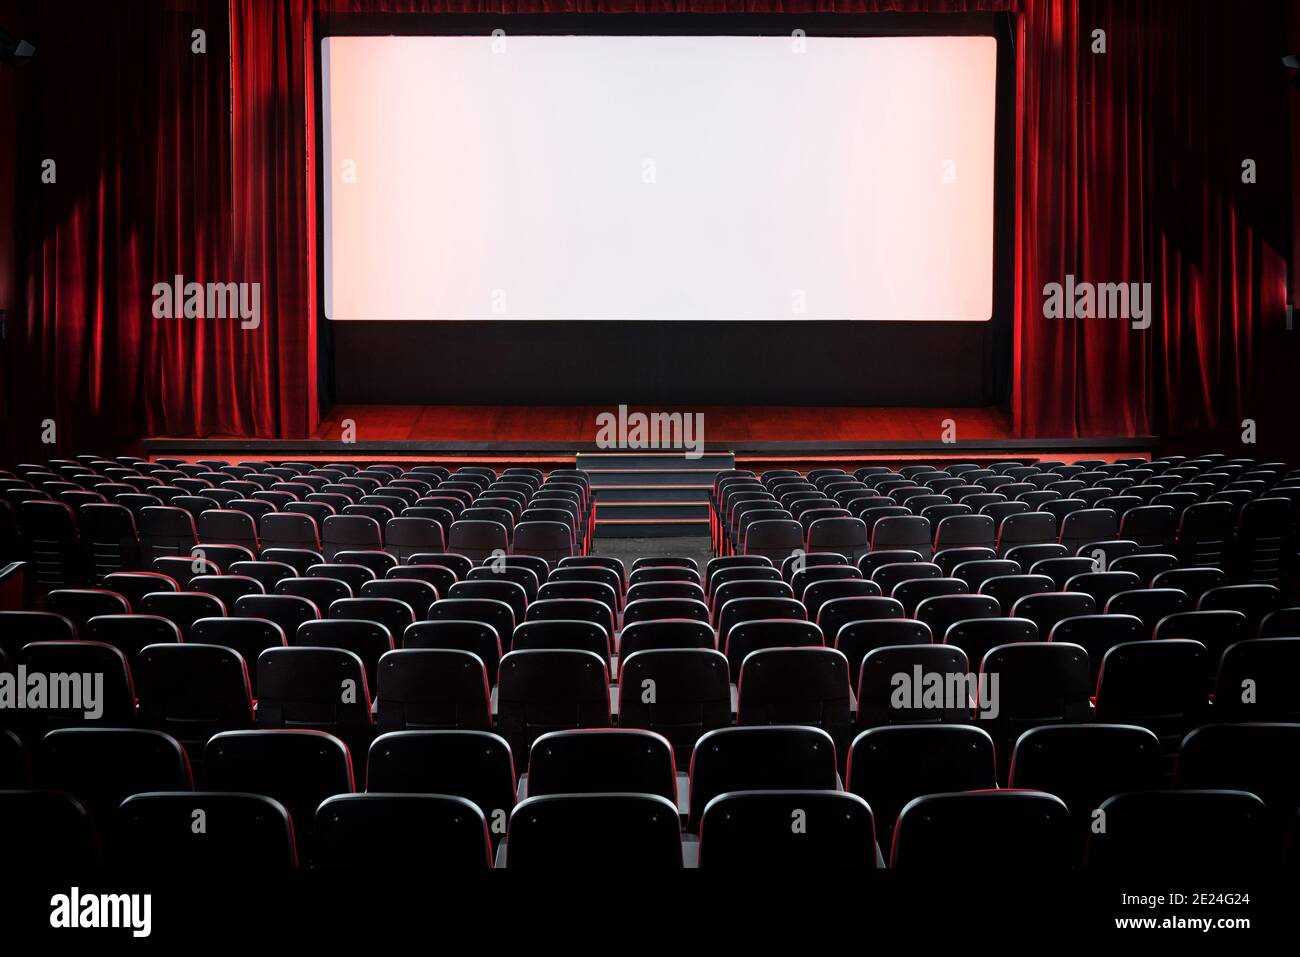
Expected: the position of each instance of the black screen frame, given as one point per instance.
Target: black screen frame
(683, 362)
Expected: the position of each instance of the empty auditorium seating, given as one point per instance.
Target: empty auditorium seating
(288, 642)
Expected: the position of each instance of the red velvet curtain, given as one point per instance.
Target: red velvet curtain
(171, 162)
(1129, 169)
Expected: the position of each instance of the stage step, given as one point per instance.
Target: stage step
(652, 510)
(651, 528)
(658, 476)
(652, 494)
(622, 461)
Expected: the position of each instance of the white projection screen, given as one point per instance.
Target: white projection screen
(658, 177)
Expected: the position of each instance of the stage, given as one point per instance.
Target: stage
(724, 425)
(760, 436)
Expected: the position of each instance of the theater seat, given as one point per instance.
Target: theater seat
(475, 765)
(882, 700)
(428, 688)
(104, 697)
(550, 690)
(564, 633)
(890, 766)
(576, 829)
(79, 605)
(101, 767)
(15, 766)
(477, 539)
(749, 637)
(1202, 831)
(434, 833)
(192, 691)
(691, 694)
(1256, 681)
(300, 769)
(786, 832)
(602, 760)
(1256, 757)
(48, 830)
(774, 539)
(241, 833)
(109, 536)
(165, 530)
(1084, 764)
(1009, 831)
(48, 532)
(322, 689)
(785, 757)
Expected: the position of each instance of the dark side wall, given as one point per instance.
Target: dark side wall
(12, 20)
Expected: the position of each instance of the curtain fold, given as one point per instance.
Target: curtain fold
(1129, 169)
(170, 161)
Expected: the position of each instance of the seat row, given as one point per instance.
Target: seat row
(915, 797)
(440, 679)
(1247, 525)
(92, 529)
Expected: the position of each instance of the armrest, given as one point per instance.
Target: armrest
(690, 854)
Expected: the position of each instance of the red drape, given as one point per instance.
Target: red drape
(169, 161)
(1128, 169)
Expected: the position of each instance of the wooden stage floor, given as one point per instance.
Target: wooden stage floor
(760, 436)
(722, 424)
